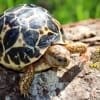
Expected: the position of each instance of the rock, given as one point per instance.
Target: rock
(86, 31)
(9, 84)
(77, 81)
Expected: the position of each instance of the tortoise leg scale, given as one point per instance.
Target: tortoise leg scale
(26, 80)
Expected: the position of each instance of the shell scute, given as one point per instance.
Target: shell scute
(52, 26)
(46, 40)
(19, 54)
(37, 52)
(22, 12)
(10, 37)
(38, 23)
(1, 49)
(23, 54)
(13, 23)
(1, 23)
(11, 20)
(29, 52)
(13, 55)
(30, 37)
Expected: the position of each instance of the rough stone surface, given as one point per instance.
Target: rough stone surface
(77, 81)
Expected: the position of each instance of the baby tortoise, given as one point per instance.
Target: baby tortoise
(31, 40)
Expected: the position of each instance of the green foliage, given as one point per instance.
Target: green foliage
(63, 10)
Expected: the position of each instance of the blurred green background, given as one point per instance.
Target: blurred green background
(63, 10)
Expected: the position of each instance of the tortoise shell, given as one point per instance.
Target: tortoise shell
(26, 32)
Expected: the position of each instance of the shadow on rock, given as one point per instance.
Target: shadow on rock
(47, 84)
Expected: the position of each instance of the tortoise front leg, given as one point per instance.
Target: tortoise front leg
(76, 47)
(26, 80)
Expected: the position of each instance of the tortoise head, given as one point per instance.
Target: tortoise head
(57, 56)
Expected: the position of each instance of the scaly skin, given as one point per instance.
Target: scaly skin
(77, 47)
(26, 80)
(56, 56)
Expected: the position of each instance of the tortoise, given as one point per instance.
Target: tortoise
(31, 40)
